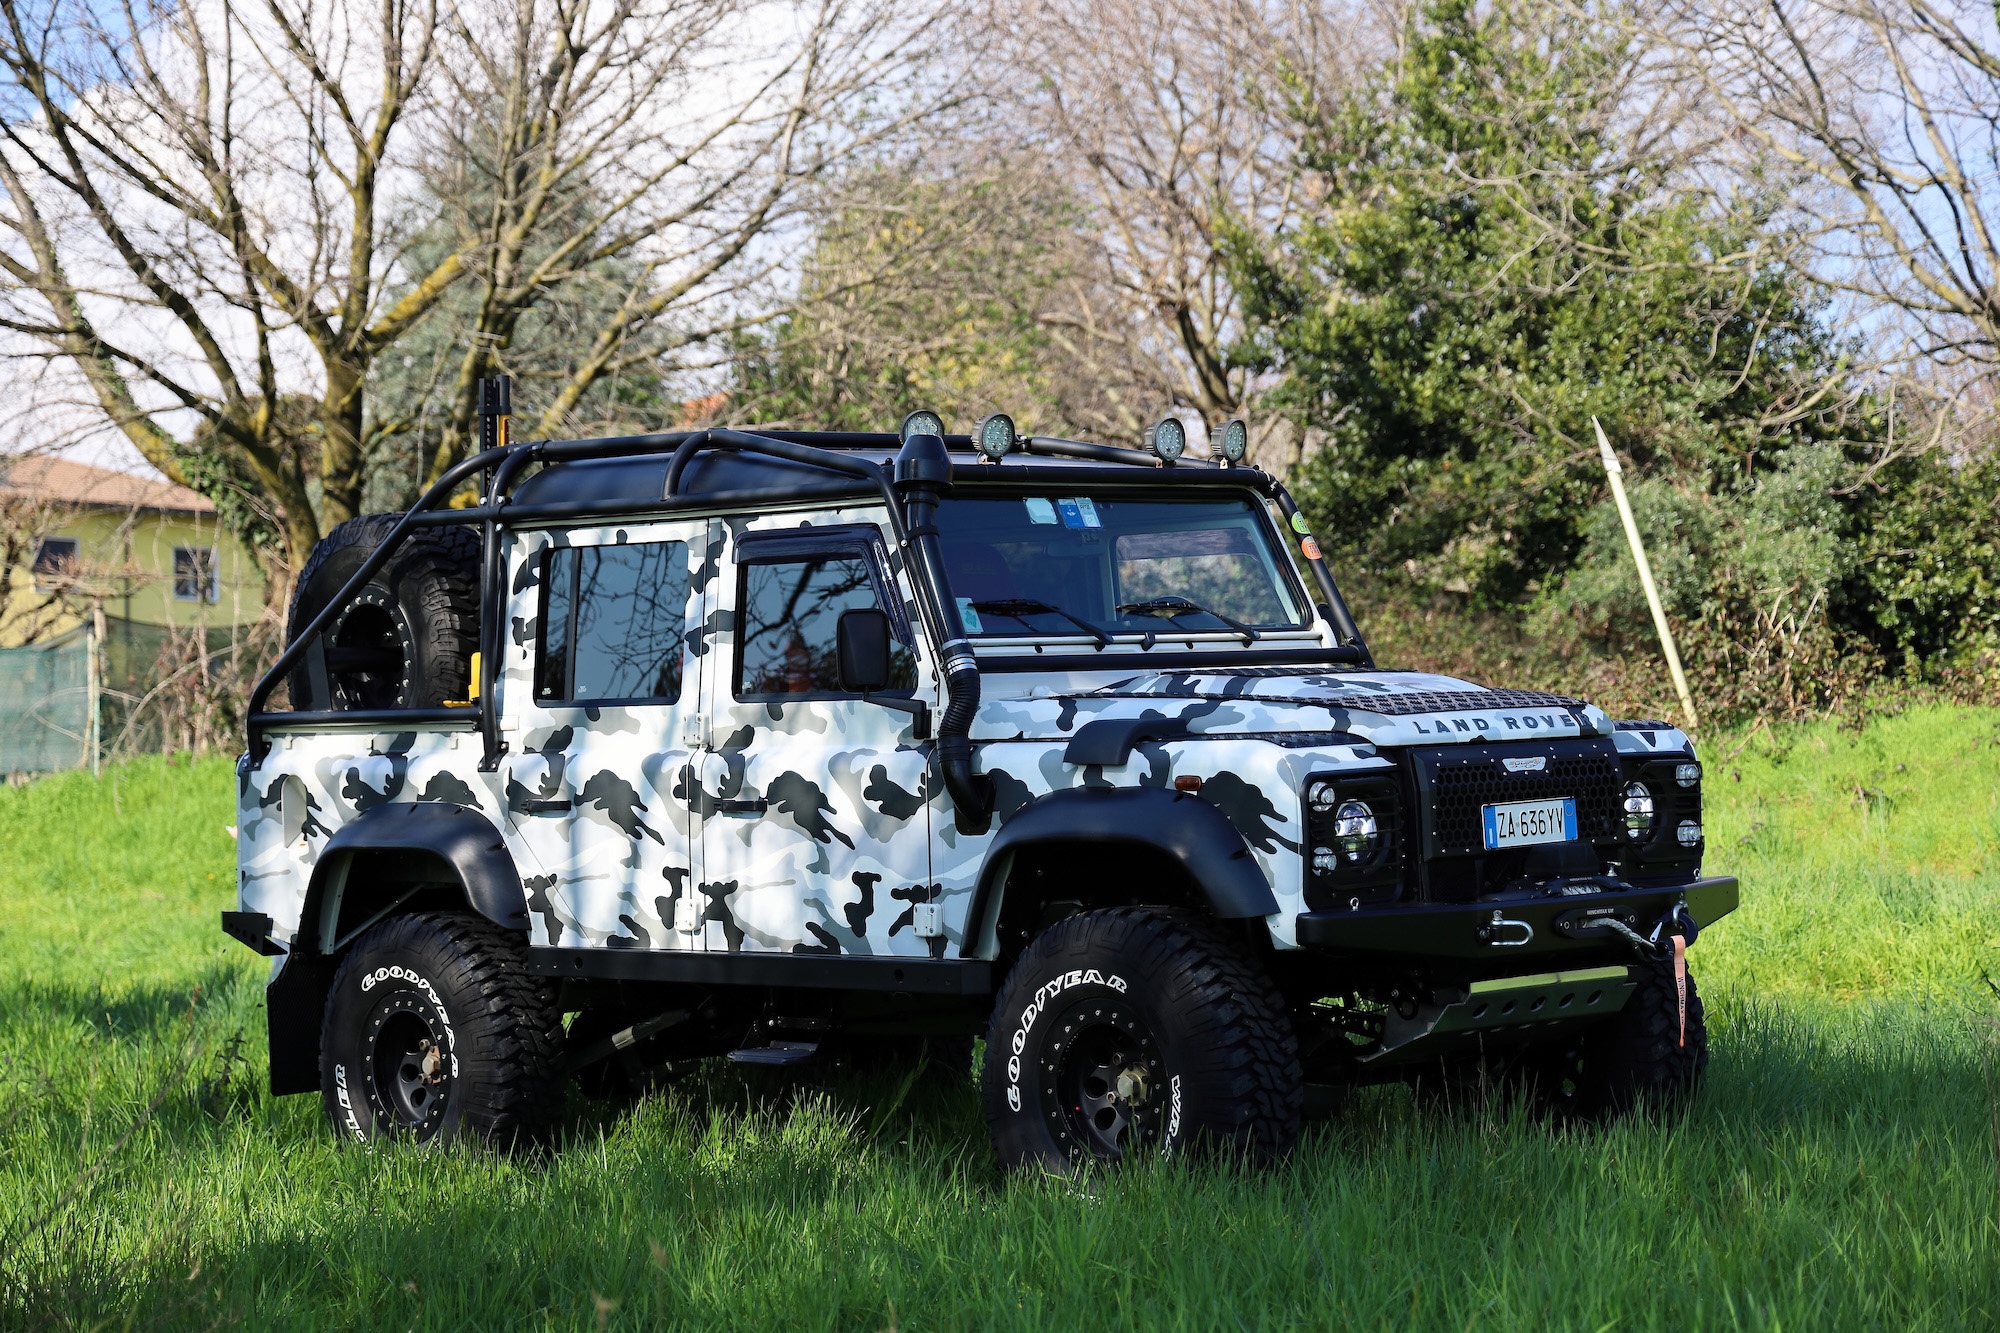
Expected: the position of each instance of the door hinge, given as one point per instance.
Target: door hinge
(927, 919)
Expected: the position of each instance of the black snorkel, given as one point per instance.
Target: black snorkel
(923, 477)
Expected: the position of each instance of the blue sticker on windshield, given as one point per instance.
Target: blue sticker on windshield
(1072, 513)
(1040, 510)
(1089, 512)
(968, 615)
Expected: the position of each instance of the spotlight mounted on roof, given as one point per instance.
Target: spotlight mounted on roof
(1167, 440)
(921, 423)
(1232, 442)
(994, 436)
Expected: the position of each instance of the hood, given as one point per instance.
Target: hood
(1382, 707)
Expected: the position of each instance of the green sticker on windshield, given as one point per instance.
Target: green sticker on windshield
(1299, 524)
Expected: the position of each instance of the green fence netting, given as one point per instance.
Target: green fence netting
(45, 705)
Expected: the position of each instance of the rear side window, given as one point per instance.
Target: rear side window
(789, 610)
(612, 623)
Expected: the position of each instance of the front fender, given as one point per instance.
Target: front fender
(1184, 826)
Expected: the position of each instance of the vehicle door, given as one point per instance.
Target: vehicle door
(599, 696)
(820, 837)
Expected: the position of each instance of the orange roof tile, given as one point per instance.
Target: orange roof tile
(61, 481)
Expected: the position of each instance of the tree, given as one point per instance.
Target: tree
(1508, 244)
(216, 217)
(1886, 110)
(1166, 121)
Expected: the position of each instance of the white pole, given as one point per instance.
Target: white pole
(1614, 471)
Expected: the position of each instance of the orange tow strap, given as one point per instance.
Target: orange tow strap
(1681, 981)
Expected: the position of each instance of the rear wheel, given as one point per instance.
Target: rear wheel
(1136, 1032)
(435, 1030)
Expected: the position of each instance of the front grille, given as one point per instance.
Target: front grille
(1454, 782)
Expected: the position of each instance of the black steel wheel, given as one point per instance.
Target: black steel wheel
(435, 1030)
(1105, 1079)
(1135, 1031)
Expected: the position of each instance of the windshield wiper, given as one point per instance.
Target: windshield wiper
(1173, 608)
(1019, 608)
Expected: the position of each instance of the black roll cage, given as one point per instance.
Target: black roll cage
(823, 449)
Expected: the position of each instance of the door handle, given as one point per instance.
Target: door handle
(742, 805)
(545, 807)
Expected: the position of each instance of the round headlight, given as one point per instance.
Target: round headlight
(921, 423)
(1687, 774)
(995, 436)
(1354, 831)
(1168, 440)
(1233, 441)
(1320, 796)
(1689, 833)
(1638, 812)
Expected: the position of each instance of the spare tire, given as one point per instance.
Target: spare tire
(406, 638)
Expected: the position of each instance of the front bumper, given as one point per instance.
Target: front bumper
(1514, 927)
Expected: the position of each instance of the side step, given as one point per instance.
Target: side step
(777, 1053)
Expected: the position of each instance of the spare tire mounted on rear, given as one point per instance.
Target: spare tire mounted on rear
(406, 639)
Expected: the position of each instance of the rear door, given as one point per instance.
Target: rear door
(599, 697)
(818, 840)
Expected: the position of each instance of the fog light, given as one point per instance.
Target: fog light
(1638, 812)
(1354, 830)
(1689, 833)
(1687, 774)
(1325, 860)
(1320, 796)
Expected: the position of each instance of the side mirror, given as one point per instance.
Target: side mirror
(861, 647)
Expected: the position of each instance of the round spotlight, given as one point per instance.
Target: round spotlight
(1355, 831)
(1168, 440)
(1321, 795)
(1638, 812)
(921, 423)
(1232, 442)
(995, 436)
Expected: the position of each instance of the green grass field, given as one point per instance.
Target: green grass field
(1838, 1172)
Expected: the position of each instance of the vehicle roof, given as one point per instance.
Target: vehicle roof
(743, 478)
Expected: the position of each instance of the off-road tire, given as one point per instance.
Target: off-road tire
(458, 986)
(418, 617)
(1208, 1057)
(1634, 1061)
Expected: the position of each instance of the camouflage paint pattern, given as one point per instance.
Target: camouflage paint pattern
(628, 823)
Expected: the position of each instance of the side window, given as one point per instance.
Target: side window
(612, 623)
(785, 636)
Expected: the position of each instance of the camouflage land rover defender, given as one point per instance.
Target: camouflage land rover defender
(800, 746)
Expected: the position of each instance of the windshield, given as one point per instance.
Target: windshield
(1098, 565)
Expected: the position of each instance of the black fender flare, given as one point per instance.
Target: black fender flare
(1184, 826)
(461, 837)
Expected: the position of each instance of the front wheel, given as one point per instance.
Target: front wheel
(435, 1030)
(1649, 1058)
(1136, 1032)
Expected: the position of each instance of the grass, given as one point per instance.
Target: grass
(1838, 1172)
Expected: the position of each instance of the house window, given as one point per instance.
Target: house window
(196, 576)
(55, 563)
(613, 623)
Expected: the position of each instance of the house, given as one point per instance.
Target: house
(145, 553)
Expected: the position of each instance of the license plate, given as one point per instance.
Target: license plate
(1526, 823)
